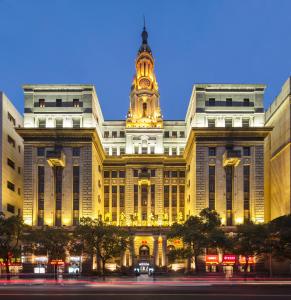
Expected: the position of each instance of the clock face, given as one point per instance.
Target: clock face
(144, 83)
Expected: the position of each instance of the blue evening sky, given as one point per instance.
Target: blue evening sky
(83, 41)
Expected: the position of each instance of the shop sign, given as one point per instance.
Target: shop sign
(242, 260)
(57, 262)
(211, 259)
(229, 259)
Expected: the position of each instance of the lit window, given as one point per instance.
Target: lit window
(41, 103)
(76, 103)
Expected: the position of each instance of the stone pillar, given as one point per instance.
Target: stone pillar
(164, 251)
(156, 250)
(132, 254)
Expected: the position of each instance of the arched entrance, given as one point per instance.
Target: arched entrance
(144, 257)
(144, 251)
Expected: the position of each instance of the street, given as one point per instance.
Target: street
(145, 289)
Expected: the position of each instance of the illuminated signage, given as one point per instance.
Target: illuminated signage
(242, 260)
(57, 262)
(211, 259)
(229, 259)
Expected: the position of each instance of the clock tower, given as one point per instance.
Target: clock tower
(144, 111)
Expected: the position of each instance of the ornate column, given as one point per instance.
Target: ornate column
(156, 250)
(164, 251)
(132, 254)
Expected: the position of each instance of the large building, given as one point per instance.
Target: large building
(11, 188)
(144, 172)
(278, 155)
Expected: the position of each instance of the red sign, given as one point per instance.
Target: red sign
(229, 259)
(57, 262)
(242, 260)
(144, 242)
(211, 259)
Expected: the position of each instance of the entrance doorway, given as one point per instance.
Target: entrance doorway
(144, 251)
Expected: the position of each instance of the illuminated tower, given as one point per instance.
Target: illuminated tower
(144, 111)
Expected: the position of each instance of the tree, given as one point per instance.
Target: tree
(52, 240)
(250, 240)
(280, 231)
(11, 232)
(197, 234)
(104, 241)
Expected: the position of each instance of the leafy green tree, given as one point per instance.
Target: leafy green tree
(53, 240)
(198, 233)
(103, 241)
(11, 233)
(280, 236)
(250, 240)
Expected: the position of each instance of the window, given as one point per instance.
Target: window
(19, 191)
(211, 151)
(121, 195)
(11, 163)
(174, 151)
(135, 173)
(19, 149)
(11, 119)
(40, 151)
(181, 196)
(114, 195)
(40, 195)
(152, 149)
(144, 195)
(211, 101)
(11, 141)
(181, 150)
(135, 197)
(167, 134)
(166, 195)
(106, 134)
(121, 174)
(76, 151)
(246, 102)
(174, 196)
(228, 122)
(167, 174)
(174, 174)
(211, 187)
(246, 175)
(245, 123)
(182, 174)
(113, 174)
(76, 123)
(41, 123)
(246, 151)
(106, 195)
(114, 134)
(10, 208)
(166, 150)
(106, 149)
(229, 194)
(59, 123)
(10, 186)
(153, 196)
(182, 134)
(58, 102)
(153, 173)
(114, 151)
(135, 149)
(228, 101)
(19, 170)
(122, 150)
(106, 174)
(41, 102)
(122, 134)
(174, 134)
(76, 103)
(144, 150)
(211, 123)
(76, 194)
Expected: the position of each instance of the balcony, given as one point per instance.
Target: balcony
(56, 158)
(231, 158)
